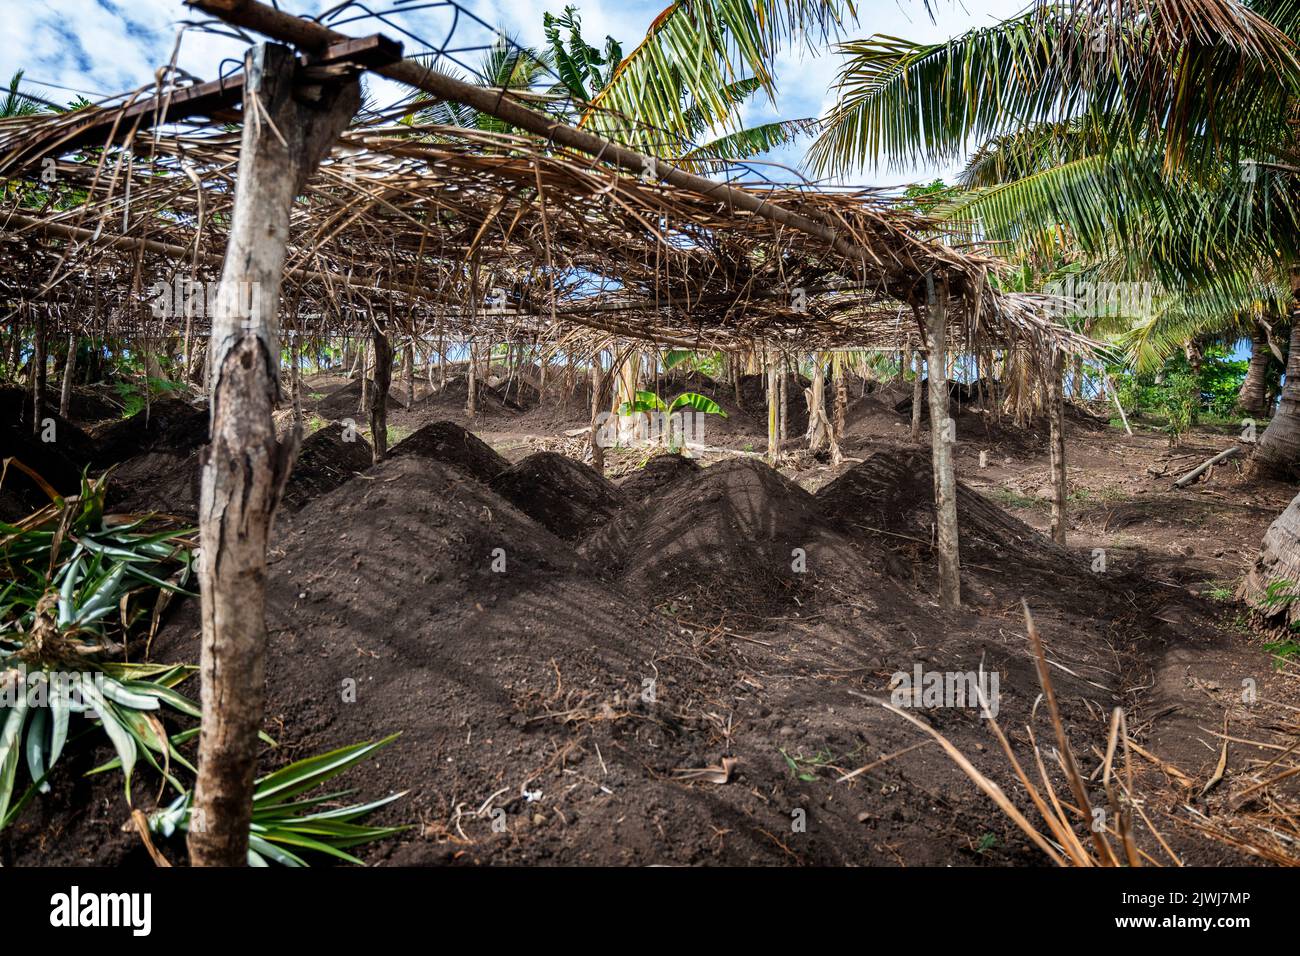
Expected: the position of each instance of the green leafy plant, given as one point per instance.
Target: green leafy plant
(805, 768)
(1279, 595)
(75, 584)
(286, 821)
(135, 396)
(649, 403)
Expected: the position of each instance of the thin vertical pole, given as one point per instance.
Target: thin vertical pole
(942, 438)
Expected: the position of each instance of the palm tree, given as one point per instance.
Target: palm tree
(699, 62)
(1153, 138)
(18, 103)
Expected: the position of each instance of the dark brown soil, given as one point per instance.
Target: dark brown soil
(657, 475)
(887, 502)
(737, 537)
(326, 460)
(71, 449)
(156, 481)
(563, 495)
(169, 425)
(448, 443)
(345, 402)
(168, 483)
(569, 686)
(21, 495)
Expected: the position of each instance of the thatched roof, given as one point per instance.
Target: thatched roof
(465, 232)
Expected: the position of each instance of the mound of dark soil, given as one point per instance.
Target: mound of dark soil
(169, 425)
(518, 391)
(448, 443)
(93, 403)
(737, 535)
(563, 495)
(886, 505)
(488, 400)
(70, 444)
(960, 394)
(169, 483)
(156, 481)
(414, 600)
(325, 461)
(511, 682)
(657, 474)
(21, 495)
(345, 402)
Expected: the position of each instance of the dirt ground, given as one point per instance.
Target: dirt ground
(684, 662)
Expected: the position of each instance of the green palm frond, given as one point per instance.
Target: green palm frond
(691, 58)
(1207, 74)
(753, 140)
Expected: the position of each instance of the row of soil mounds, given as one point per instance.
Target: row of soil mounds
(504, 619)
(155, 459)
(61, 452)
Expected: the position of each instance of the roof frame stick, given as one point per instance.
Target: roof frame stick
(311, 36)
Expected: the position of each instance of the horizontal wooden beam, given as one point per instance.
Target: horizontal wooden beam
(217, 99)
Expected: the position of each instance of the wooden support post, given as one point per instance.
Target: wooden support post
(379, 387)
(1056, 441)
(841, 394)
(773, 416)
(783, 378)
(917, 396)
(471, 393)
(69, 372)
(597, 407)
(244, 467)
(410, 373)
(39, 370)
(364, 406)
(818, 434)
(295, 378)
(942, 438)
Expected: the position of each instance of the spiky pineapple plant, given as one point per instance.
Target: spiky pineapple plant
(76, 587)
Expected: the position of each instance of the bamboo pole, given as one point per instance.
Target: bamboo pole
(39, 363)
(69, 372)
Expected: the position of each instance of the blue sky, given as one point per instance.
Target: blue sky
(102, 47)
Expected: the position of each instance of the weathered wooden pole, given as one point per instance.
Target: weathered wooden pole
(290, 121)
(364, 359)
(773, 416)
(1056, 441)
(69, 372)
(39, 370)
(471, 380)
(841, 395)
(410, 373)
(379, 386)
(917, 396)
(597, 408)
(942, 437)
(783, 378)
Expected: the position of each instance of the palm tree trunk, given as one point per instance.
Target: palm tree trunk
(1250, 400)
(1277, 567)
(1278, 453)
